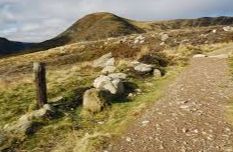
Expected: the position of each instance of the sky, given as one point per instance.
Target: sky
(39, 20)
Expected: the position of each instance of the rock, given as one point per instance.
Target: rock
(94, 100)
(134, 63)
(214, 31)
(157, 73)
(105, 60)
(140, 39)
(25, 124)
(164, 37)
(144, 123)
(56, 99)
(114, 86)
(128, 139)
(145, 68)
(136, 41)
(121, 76)
(199, 56)
(43, 112)
(108, 69)
(110, 62)
(228, 28)
(130, 95)
(119, 86)
(162, 43)
(138, 90)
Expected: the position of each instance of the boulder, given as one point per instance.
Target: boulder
(114, 86)
(121, 76)
(108, 69)
(105, 60)
(228, 28)
(117, 83)
(43, 112)
(25, 124)
(157, 73)
(94, 100)
(144, 68)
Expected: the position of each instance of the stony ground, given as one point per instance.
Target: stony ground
(190, 117)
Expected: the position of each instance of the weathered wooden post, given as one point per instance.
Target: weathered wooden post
(40, 82)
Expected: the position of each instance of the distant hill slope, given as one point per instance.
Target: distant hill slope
(104, 25)
(91, 27)
(10, 47)
(184, 23)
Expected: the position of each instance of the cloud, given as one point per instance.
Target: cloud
(38, 20)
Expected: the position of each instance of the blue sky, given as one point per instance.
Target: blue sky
(38, 20)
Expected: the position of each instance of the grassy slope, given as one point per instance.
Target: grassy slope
(67, 73)
(17, 98)
(61, 133)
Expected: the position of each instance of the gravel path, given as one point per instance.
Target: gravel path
(190, 118)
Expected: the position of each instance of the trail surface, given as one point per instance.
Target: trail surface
(192, 115)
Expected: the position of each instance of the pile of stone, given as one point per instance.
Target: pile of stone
(105, 87)
(110, 84)
(142, 68)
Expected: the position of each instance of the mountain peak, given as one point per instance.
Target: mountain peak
(99, 26)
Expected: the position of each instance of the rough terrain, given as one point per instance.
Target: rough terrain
(191, 115)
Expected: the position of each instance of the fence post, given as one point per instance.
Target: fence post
(40, 83)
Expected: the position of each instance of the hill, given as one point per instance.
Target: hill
(183, 23)
(100, 26)
(10, 47)
(91, 27)
(105, 25)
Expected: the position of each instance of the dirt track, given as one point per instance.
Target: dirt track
(191, 116)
